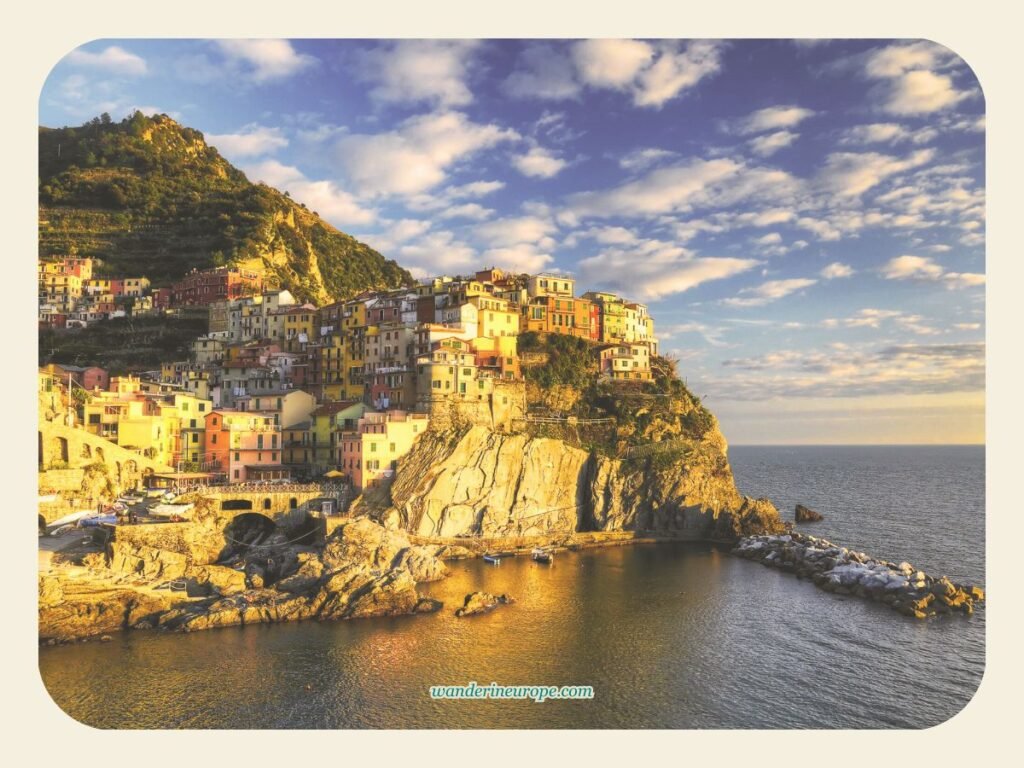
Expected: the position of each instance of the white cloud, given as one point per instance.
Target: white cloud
(663, 190)
(437, 252)
(264, 60)
(772, 238)
(895, 60)
(538, 163)
(517, 231)
(111, 59)
(909, 267)
(642, 158)
(411, 71)
(250, 141)
(906, 267)
(909, 83)
(773, 290)
(886, 133)
(651, 74)
(675, 70)
(523, 257)
(963, 279)
(416, 156)
(324, 197)
(542, 72)
(654, 269)
(466, 211)
(849, 174)
(836, 270)
(448, 196)
(921, 92)
(610, 63)
(772, 119)
(770, 143)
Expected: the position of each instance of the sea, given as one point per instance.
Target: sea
(668, 636)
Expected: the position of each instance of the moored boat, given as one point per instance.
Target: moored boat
(492, 559)
(542, 555)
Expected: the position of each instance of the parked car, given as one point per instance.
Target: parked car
(132, 497)
(169, 496)
(155, 493)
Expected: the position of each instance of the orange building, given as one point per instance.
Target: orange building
(560, 314)
(245, 446)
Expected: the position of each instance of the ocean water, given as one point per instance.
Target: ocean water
(668, 635)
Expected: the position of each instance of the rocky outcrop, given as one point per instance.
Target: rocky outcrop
(363, 570)
(482, 483)
(846, 572)
(807, 515)
(482, 602)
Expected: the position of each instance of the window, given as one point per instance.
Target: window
(236, 474)
(213, 439)
(195, 437)
(237, 458)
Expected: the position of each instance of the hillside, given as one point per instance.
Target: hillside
(148, 196)
(562, 380)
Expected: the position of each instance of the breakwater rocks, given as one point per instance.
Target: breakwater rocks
(846, 572)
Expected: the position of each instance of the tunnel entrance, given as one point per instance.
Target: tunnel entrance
(249, 530)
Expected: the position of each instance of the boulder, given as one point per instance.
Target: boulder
(807, 515)
(482, 602)
(223, 580)
(423, 564)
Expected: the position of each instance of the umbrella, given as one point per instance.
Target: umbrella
(334, 473)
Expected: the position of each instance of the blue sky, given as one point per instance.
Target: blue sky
(804, 218)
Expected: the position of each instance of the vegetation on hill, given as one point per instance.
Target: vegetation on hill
(150, 197)
(124, 344)
(561, 375)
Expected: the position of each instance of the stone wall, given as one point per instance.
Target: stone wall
(496, 410)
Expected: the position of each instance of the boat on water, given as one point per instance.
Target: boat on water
(492, 559)
(542, 555)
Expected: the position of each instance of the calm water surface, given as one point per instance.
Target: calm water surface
(669, 636)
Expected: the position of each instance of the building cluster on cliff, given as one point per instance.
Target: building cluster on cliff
(277, 389)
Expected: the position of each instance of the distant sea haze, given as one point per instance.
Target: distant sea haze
(669, 636)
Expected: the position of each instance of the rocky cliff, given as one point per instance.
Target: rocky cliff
(479, 482)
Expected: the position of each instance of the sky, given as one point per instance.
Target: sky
(804, 218)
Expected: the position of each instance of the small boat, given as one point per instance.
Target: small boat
(542, 555)
(178, 585)
(492, 559)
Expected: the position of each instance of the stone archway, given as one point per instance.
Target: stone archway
(248, 530)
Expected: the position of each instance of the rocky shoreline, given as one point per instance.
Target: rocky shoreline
(843, 571)
(362, 570)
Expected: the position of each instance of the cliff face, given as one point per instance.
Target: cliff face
(489, 484)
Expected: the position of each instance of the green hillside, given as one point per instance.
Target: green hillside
(150, 197)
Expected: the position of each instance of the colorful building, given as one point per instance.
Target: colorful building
(245, 446)
(369, 455)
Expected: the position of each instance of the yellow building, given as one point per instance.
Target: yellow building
(448, 369)
(370, 453)
(624, 362)
(495, 317)
(326, 425)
